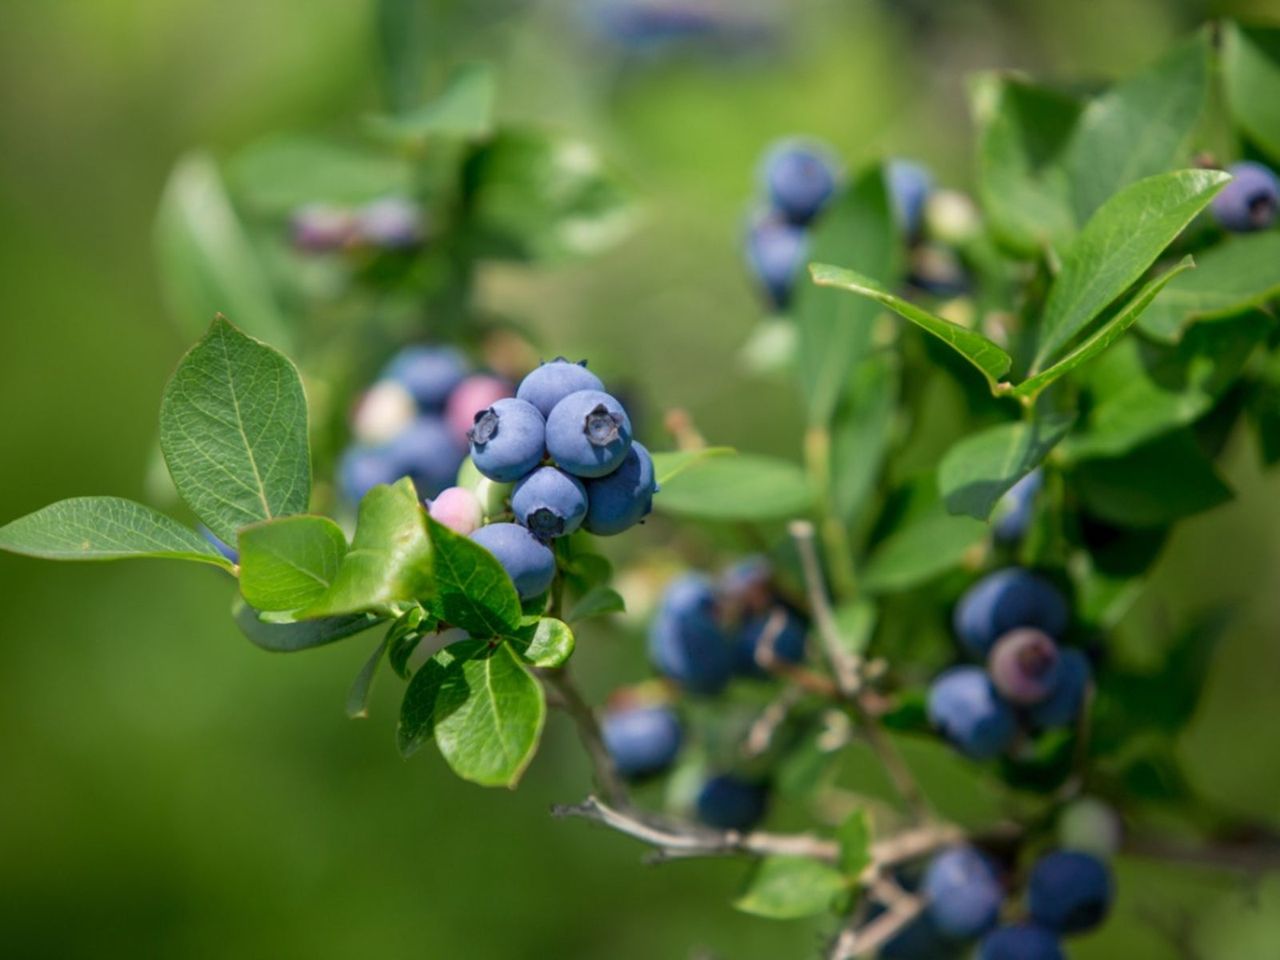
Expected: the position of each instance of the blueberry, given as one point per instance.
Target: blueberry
(550, 502)
(776, 253)
(392, 223)
(621, 499)
(1250, 200)
(909, 187)
(1069, 891)
(474, 394)
(799, 178)
(1066, 700)
(361, 468)
(319, 228)
(686, 642)
(588, 434)
(383, 412)
(968, 711)
(224, 548)
(551, 382)
(787, 631)
(430, 373)
(1020, 942)
(508, 439)
(427, 452)
(1024, 666)
(1016, 508)
(747, 586)
(920, 940)
(937, 270)
(458, 509)
(642, 741)
(527, 560)
(963, 893)
(1006, 599)
(732, 803)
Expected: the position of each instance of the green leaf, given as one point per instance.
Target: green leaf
(282, 173)
(856, 625)
(418, 709)
(786, 888)
(1116, 247)
(861, 432)
(990, 359)
(105, 528)
(597, 602)
(1251, 75)
(233, 429)
(1153, 485)
(207, 263)
(473, 591)
(667, 466)
(1103, 337)
(744, 487)
(390, 557)
(854, 835)
(362, 686)
(1140, 127)
(289, 563)
(290, 637)
(549, 645)
(980, 469)
(403, 29)
(463, 111)
(929, 542)
(859, 229)
(488, 716)
(405, 635)
(1023, 131)
(1241, 272)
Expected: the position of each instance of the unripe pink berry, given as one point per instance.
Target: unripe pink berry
(383, 413)
(477, 392)
(1024, 665)
(458, 509)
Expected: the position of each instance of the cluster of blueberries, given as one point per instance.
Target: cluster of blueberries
(1250, 201)
(1011, 620)
(390, 223)
(799, 178)
(1067, 892)
(705, 632)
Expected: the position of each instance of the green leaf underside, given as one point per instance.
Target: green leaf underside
(291, 637)
(362, 685)
(669, 465)
(463, 110)
(933, 542)
(282, 173)
(786, 888)
(835, 332)
(207, 263)
(390, 557)
(289, 563)
(233, 429)
(989, 359)
(550, 645)
(745, 487)
(473, 591)
(854, 835)
(1116, 247)
(1241, 273)
(1251, 74)
(597, 602)
(105, 528)
(980, 469)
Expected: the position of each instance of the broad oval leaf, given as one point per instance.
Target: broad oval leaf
(472, 590)
(1118, 245)
(105, 528)
(1251, 74)
(599, 601)
(862, 431)
(930, 544)
(981, 468)
(786, 887)
(303, 635)
(289, 563)
(282, 173)
(737, 488)
(463, 110)
(670, 464)
(233, 430)
(854, 836)
(418, 708)
(550, 643)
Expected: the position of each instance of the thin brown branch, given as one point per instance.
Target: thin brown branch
(1254, 856)
(569, 699)
(858, 939)
(760, 734)
(844, 663)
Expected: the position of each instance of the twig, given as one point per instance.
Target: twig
(761, 732)
(844, 663)
(904, 781)
(570, 700)
(1253, 856)
(857, 939)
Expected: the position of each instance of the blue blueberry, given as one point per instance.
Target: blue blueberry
(1069, 891)
(550, 502)
(1024, 666)
(732, 803)
(643, 741)
(963, 893)
(620, 500)
(799, 178)
(919, 940)
(228, 551)
(392, 223)
(429, 453)
(1004, 600)
(508, 440)
(528, 561)
(776, 253)
(551, 382)
(748, 585)
(787, 643)
(362, 468)
(1016, 508)
(686, 642)
(588, 433)
(909, 187)
(1024, 941)
(967, 710)
(428, 372)
(1248, 202)
(1066, 699)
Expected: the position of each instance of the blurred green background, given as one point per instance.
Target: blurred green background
(171, 791)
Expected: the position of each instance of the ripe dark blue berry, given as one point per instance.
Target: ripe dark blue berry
(362, 468)
(429, 453)
(776, 252)
(920, 940)
(508, 440)
(747, 586)
(1024, 666)
(1069, 891)
(428, 372)
(1066, 700)
(963, 893)
(1003, 601)
(588, 433)
(528, 561)
(643, 741)
(785, 631)
(619, 500)
(550, 502)
(968, 711)
(1249, 201)
(732, 803)
(686, 642)
(909, 187)
(1020, 942)
(799, 178)
(551, 382)
(1016, 508)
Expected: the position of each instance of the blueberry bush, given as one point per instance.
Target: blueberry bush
(1098, 300)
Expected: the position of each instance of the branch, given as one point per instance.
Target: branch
(845, 664)
(1255, 856)
(861, 940)
(569, 699)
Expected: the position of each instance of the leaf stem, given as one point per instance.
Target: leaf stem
(835, 535)
(570, 700)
